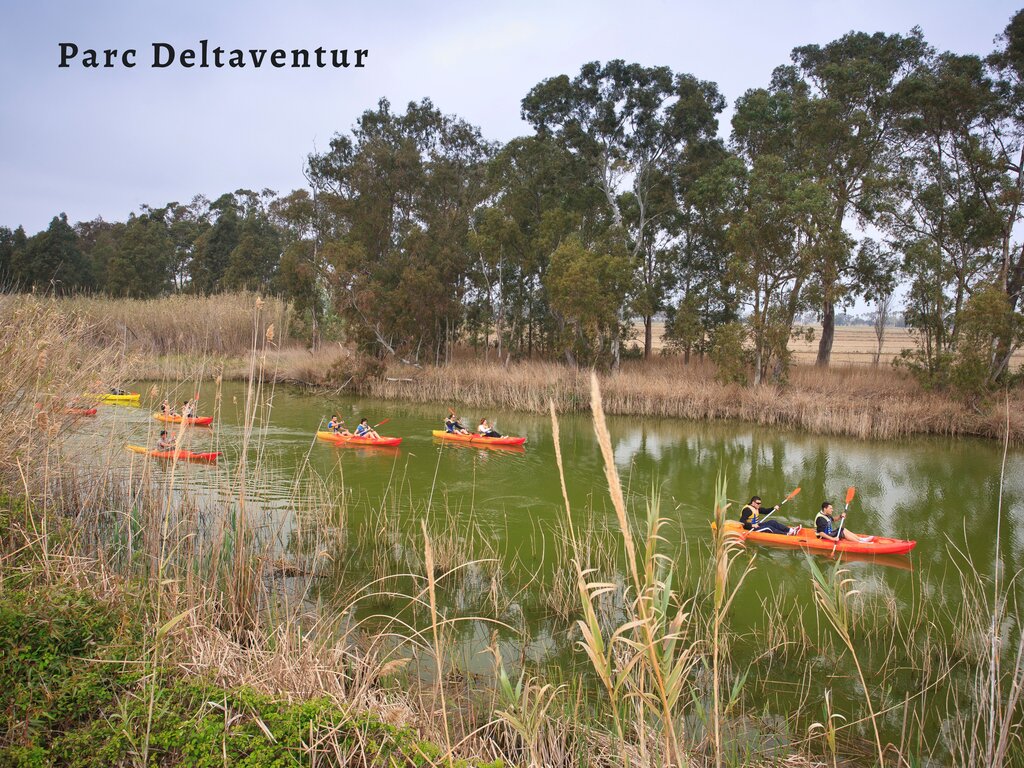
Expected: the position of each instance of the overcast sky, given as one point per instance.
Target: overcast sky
(102, 142)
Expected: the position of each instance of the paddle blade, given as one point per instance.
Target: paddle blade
(794, 493)
(383, 421)
(849, 494)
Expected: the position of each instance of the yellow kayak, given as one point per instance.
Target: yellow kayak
(131, 397)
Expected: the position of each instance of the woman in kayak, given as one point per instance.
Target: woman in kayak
(337, 426)
(486, 430)
(825, 526)
(452, 424)
(166, 409)
(165, 442)
(365, 430)
(749, 518)
(188, 409)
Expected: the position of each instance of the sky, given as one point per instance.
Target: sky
(103, 142)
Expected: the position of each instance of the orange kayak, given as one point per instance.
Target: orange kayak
(477, 439)
(181, 455)
(879, 545)
(80, 411)
(337, 439)
(198, 421)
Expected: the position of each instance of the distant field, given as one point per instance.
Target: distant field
(853, 345)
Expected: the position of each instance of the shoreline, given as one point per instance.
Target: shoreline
(876, 403)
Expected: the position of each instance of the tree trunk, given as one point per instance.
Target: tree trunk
(648, 336)
(828, 333)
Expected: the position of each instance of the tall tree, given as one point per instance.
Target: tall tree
(845, 126)
(631, 125)
(399, 193)
(51, 261)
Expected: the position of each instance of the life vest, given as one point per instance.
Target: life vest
(752, 520)
(828, 523)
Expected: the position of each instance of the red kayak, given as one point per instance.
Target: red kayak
(80, 411)
(879, 545)
(477, 439)
(181, 455)
(197, 421)
(375, 442)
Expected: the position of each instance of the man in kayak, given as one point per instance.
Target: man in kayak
(337, 426)
(749, 518)
(486, 430)
(166, 409)
(452, 424)
(165, 442)
(825, 526)
(365, 430)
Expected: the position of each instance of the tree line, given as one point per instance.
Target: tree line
(867, 163)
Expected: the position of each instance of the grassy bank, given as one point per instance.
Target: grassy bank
(90, 679)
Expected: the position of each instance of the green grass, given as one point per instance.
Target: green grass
(75, 691)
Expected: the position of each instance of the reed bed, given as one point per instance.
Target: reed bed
(177, 324)
(866, 403)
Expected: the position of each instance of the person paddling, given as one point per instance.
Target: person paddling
(453, 425)
(825, 526)
(486, 430)
(337, 426)
(365, 430)
(166, 409)
(750, 519)
(165, 442)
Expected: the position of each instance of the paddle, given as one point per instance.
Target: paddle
(839, 532)
(791, 495)
(385, 421)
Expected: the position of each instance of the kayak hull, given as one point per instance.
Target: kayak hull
(381, 442)
(199, 421)
(807, 539)
(80, 411)
(204, 458)
(131, 397)
(477, 439)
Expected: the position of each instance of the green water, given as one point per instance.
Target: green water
(508, 504)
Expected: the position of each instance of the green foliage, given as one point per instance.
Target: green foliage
(51, 261)
(729, 353)
(74, 696)
(587, 288)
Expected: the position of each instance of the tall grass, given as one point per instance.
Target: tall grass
(867, 403)
(178, 324)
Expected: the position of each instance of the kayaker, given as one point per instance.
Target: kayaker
(165, 442)
(486, 430)
(188, 410)
(166, 409)
(825, 526)
(365, 430)
(452, 424)
(117, 391)
(337, 426)
(749, 518)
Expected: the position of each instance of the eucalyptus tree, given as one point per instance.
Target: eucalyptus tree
(936, 212)
(956, 206)
(630, 125)
(783, 227)
(709, 192)
(303, 276)
(539, 196)
(845, 127)
(214, 245)
(398, 194)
